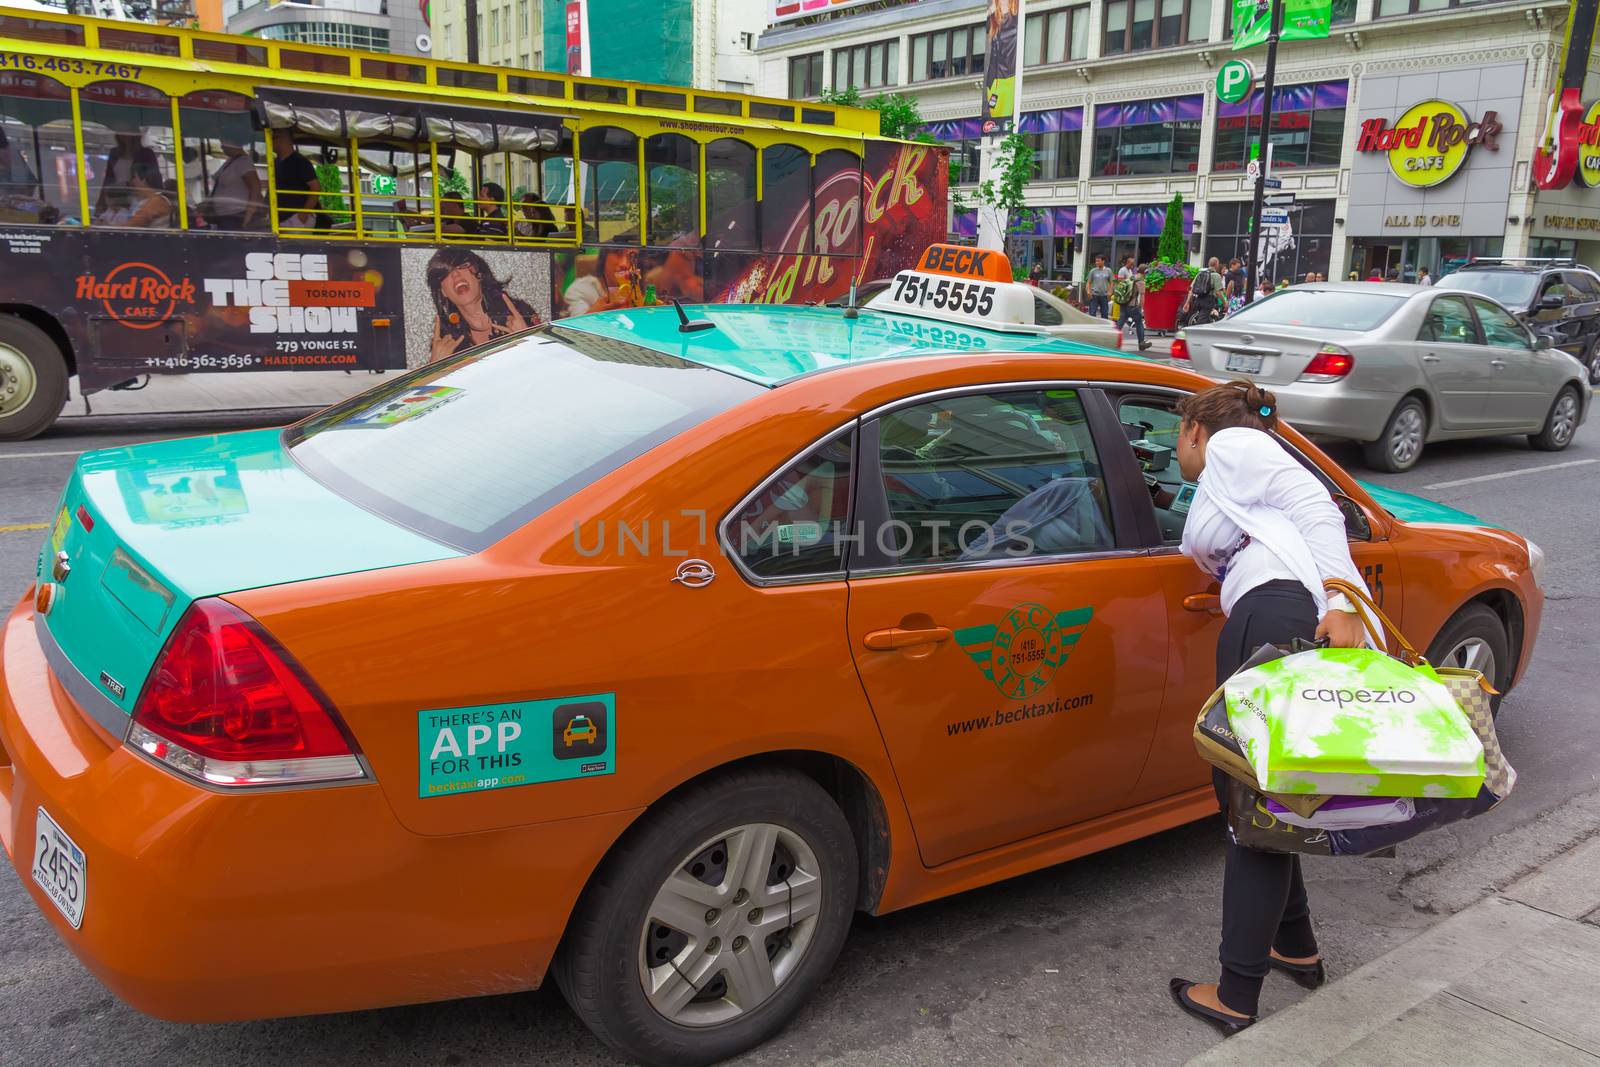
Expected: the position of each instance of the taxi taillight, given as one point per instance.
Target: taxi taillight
(225, 704)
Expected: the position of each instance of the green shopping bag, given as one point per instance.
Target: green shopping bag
(1354, 722)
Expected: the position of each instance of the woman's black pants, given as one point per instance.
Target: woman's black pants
(1263, 896)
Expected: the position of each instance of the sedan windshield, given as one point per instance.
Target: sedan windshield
(1323, 309)
(468, 449)
(1513, 288)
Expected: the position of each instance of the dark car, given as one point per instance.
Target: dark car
(1557, 299)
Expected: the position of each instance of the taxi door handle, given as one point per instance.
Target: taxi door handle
(1430, 358)
(1208, 602)
(1497, 363)
(895, 637)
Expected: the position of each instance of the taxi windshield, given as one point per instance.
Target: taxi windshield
(1326, 309)
(468, 449)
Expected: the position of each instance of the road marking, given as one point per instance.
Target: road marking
(38, 455)
(1511, 474)
(20, 527)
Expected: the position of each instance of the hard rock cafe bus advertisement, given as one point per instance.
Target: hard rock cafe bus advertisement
(178, 201)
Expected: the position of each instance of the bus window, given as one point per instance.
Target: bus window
(785, 198)
(610, 158)
(129, 160)
(38, 167)
(730, 195)
(836, 179)
(674, 173)
(223, 157)
(299, 186)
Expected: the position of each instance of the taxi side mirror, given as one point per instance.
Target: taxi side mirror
(1357, 527)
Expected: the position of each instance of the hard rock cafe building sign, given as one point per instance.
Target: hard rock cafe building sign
(1430, 142)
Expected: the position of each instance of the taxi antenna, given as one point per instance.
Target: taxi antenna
(688, 325)
(850, 309)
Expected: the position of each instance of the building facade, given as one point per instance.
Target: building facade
(1120, 108)
(375, 25)
(510, 32)
(704, 44)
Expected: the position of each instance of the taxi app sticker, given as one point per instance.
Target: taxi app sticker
(496, 746)
(1022, 654)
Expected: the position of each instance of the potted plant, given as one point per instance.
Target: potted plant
(1166, 282)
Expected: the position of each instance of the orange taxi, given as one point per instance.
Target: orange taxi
(640, 653)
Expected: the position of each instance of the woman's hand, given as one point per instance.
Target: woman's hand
(1343, 629)
(441, 346)
(515, 322)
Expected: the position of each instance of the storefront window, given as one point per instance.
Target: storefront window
(805, 76)
(1389, 8)
(1290, 253)
(1307, 127)
(38, 166)
(1132, 230)
(1056, 138)
(1049, 240)
(1155, 137)
(867, 66)
(964, 139)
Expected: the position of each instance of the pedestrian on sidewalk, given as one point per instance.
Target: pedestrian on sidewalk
(1128, 293)
(1264, 527)
(1097, 289)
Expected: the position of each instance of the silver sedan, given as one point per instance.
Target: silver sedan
(1395, 366)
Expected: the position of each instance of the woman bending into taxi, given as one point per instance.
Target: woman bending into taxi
(1269, 531)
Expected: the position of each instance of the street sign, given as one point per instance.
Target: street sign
(1252, 169)
(1234, 81)
(1273, 183)
(1270, 217)
(1278, 200)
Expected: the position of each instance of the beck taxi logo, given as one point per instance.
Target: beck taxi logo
(965, 262)
(1022, 654)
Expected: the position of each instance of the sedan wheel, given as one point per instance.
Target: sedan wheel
(730, 925)
(713, 919)
(1594, 363)
(1473, 654)
(1476, 639)
(1400, 446)
(1561, 424)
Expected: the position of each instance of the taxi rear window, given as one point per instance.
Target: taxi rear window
(468, 449)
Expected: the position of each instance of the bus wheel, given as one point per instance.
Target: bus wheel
(33, 380)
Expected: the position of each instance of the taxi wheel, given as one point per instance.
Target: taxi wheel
(1475, 638)
(1400, 445)
(714, 920)
(33, 380)
(1560, 424)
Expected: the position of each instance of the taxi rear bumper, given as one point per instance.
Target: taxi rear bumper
(205, 906)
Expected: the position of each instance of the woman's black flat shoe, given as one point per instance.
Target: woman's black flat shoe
(1228, 1024)
(1310, 975)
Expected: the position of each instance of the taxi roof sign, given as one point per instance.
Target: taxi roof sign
(960, 261)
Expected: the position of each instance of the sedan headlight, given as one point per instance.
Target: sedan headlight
(1536, 563)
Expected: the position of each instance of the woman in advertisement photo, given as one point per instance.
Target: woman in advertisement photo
(472, 306)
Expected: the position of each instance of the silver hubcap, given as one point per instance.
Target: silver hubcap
(1474, 654)
(1405, 440)
(1594, 368)
(17, 381)
(1564, 419)
(730, 925)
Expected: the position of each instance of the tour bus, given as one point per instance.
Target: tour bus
(178, 201)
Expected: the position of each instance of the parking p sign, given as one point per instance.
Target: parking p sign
(1234, 81)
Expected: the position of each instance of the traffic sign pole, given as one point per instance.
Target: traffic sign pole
(1266, 133)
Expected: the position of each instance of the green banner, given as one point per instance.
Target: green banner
(1303, 20)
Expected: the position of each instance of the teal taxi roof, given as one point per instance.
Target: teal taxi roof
(773, 344)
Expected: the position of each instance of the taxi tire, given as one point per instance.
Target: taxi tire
(596, 966)
(1477, 621)
(50, 377)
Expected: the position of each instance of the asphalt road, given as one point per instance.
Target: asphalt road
(1065, 965)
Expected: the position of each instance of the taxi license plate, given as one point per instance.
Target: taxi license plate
(1244, 364)
(58, 867)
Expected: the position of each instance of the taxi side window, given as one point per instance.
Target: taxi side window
(1449, 322)
(794, 526)
(992, 477)
(1151, 427)
(1045, 313)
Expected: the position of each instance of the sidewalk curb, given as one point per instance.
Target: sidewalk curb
(1443, 981)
